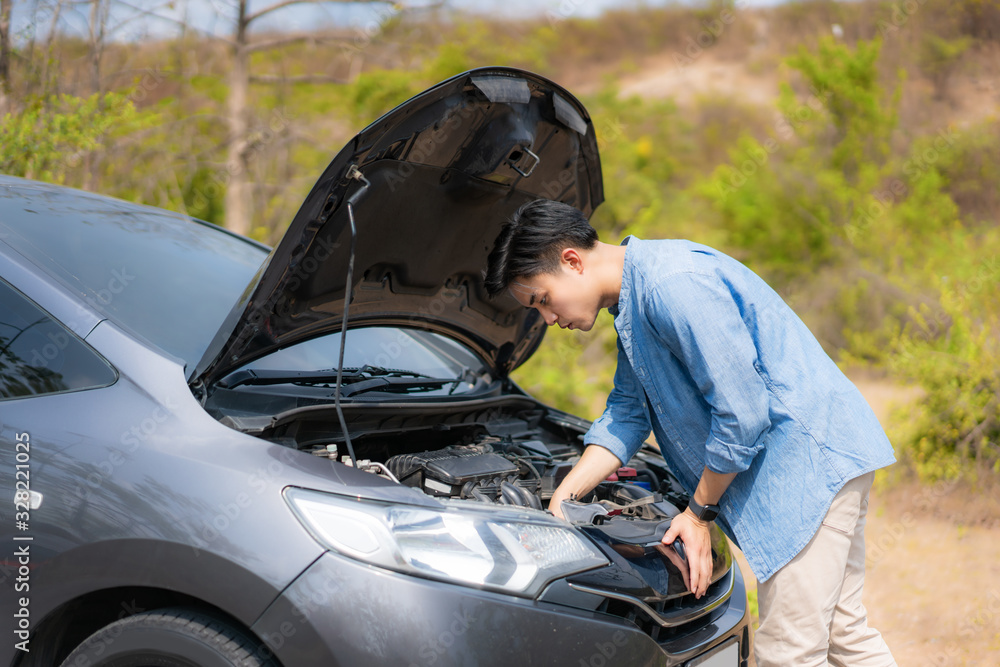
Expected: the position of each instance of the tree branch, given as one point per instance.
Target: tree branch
(265, 44)
(286, 3)
(153, 14)
(302, 78)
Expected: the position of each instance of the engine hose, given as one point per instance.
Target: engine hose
(534, 501)
(510, 494)
(654, 481)
(478, 494)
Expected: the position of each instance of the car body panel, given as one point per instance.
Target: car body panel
(334, 615)
(210, 522)
(442, 184)
(23, 275)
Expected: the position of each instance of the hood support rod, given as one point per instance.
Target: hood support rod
(354, 173)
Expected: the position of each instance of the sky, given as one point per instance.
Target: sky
(214, 16)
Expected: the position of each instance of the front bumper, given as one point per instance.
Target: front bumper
(342, 612)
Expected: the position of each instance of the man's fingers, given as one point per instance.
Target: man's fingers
(701, 570)
(705, 570)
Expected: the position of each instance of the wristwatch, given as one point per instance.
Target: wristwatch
(704, 512)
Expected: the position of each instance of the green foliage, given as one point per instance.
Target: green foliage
(846, 80)
(938, 57)
(970, 168)
(788, 202)
(49, 138)
(953, 352)
(571, 368)
(379, 91)
(203, 197)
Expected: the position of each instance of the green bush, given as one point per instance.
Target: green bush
(954, 354)
(49, 138)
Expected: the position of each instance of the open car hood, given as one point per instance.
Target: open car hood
(446, 169)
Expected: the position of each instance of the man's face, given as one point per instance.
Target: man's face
(569, 297)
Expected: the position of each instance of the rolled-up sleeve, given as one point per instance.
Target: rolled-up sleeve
(695, 316)
(624, 426)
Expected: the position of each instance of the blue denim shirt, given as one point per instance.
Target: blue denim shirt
(726, 376)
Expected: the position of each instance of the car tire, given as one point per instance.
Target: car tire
(169, 638)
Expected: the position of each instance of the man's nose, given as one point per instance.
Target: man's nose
(549, 317)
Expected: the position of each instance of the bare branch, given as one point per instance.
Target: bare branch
(265, 44)
(303, 78)
(153, 14)
(286, 3)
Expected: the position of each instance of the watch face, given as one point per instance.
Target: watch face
(704, 512)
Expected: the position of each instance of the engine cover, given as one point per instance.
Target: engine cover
(445, 471)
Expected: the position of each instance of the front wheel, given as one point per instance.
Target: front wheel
(170, 638)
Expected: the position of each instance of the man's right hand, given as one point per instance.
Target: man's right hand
(593, 468)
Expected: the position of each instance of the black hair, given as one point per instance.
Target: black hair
(532, 241)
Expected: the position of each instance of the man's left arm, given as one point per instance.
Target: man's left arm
(695, 316)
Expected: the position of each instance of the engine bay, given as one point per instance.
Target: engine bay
(634, 504)
(512, 451)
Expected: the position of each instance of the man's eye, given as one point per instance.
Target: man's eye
(543, 300)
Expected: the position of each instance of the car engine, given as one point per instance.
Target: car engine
(490, 470)
(525, 472)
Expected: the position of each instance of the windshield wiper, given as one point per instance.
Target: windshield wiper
(265, 377)
(395, 385)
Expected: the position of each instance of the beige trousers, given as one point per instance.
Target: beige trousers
(810, 610)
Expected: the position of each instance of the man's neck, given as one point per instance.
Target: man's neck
(610, 265)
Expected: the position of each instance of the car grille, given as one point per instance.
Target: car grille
(668, 619)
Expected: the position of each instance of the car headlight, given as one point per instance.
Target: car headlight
(499, 548)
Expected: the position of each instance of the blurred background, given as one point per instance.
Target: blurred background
(849, 152)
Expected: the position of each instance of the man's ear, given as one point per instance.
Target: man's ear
(572, 259)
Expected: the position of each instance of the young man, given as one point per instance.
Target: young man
(756, 421)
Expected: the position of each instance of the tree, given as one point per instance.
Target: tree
(5, 6)
(239, 148)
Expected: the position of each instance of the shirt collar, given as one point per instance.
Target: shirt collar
(626, 287)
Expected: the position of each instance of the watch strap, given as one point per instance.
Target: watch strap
(703, 512)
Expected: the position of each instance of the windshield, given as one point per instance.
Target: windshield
(167, 278)
(391, 348)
